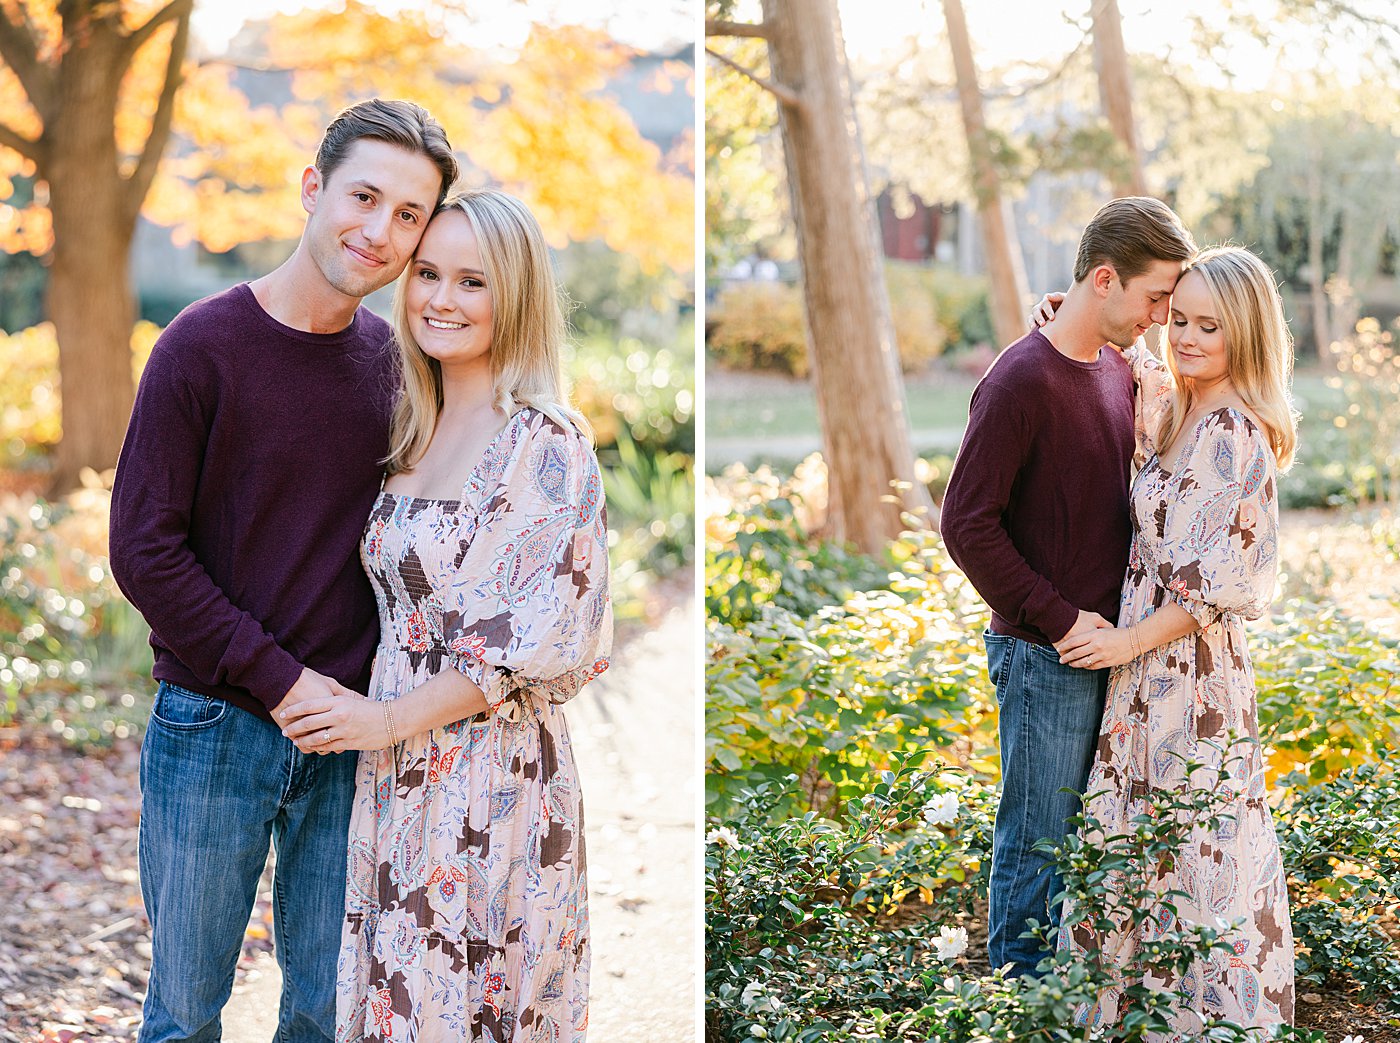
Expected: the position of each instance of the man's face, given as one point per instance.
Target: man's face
(366, 218)
(1130, 308)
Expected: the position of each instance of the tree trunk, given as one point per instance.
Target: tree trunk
(1116, 95)
(1317, 274)
(90, 297)
(1004, 265)
(850, 338)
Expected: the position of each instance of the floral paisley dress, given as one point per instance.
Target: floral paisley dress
(1204, 536)
(466, 902)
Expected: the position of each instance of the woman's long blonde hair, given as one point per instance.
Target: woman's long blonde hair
(1258, 347)
(527, 329)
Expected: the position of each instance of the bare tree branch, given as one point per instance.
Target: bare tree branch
(139, 183)
(784, 94)
(249, 65)
(139, 36)
(20, 53)
(719, 27)
(26, 147)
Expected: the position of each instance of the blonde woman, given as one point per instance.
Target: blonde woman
(466, 903)
(1203, 561)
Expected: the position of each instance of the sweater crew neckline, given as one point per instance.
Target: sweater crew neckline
(348, 337)
(1098, 363)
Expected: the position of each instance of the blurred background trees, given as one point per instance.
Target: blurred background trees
(1271, 123)
(114, 123)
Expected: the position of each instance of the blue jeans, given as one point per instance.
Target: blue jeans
(217, 783)
(1049, 727)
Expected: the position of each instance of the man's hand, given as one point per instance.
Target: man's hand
(310, 686)
(1086, 623)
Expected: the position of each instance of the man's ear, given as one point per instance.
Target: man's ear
(1102, 278)
(311, 184)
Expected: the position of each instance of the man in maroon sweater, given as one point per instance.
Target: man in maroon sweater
(251, 461)
(1036, 515)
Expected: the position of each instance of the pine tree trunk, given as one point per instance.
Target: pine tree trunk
(90, 296)
(1116, 95)
(1005, 268)
(850, 338)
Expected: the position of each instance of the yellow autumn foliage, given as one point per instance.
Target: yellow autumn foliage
(541, 125)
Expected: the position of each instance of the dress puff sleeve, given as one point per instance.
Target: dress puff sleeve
(1220, 554)
(529, 614)
(1153, 394)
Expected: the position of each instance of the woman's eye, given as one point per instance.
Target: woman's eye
(425, 274)
(1178, 322)
(1209, 329)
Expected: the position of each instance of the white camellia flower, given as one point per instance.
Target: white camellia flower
(756, 999)
(941, 810)
(1353, 1039)
(723, 837)
(951, 942)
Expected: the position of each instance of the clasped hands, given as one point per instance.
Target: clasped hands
(320, 715)
(1093, 643)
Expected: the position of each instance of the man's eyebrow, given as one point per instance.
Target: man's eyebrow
(379, 192)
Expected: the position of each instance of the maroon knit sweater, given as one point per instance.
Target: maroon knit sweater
(247, 473)
(1036, 512)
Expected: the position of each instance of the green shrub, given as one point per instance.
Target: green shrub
(1327, 687)
(934, 310)
(805, 939)
(833, 697)
(73, 652)
(1341, 844)
(824, 921)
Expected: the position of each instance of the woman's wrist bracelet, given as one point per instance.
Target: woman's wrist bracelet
(389, 723)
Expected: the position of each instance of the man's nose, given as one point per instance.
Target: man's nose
(376, 226)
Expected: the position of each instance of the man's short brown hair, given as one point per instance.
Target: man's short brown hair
(401, 123)
(1130, 233)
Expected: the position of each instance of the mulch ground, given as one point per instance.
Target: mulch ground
(74, 939)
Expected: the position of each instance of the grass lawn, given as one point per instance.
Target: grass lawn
(789, 407)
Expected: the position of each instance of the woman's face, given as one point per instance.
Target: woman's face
(449, 303)
(1195, 336)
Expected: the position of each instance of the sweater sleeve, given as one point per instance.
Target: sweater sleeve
(152, 560)
(993, 451)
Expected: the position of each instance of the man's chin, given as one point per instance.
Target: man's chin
(363, 285)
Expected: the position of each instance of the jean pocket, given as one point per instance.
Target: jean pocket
(1046, 652)
(999, 648)
(182, 710)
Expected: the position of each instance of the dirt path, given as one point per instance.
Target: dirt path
(634, 735)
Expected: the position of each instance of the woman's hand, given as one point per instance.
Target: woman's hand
(334, 724)
(1097, 649)
(1045, 308)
